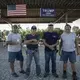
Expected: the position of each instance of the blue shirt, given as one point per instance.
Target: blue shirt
(29, 37)
(50, 38)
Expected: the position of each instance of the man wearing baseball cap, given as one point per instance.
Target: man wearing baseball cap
(50, 40)
(31, 41)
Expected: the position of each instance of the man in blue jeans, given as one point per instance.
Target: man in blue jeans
(31, 41)
(50, 40)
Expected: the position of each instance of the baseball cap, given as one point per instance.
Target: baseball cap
(50, 24)
(34, 27)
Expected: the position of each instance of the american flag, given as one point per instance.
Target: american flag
(16, 10)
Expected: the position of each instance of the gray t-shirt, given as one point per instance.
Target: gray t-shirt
(68, 41)
(14, 38)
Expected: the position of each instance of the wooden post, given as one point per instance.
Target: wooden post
(66, 18)
(0, 13)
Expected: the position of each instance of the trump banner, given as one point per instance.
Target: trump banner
(47, 12)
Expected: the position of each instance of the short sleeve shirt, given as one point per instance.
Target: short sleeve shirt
(29, 37)
(50, 38)
(14, 38)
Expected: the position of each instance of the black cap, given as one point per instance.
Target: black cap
(34, 27)
(50, 24)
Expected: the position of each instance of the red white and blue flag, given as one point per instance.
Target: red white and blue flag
(16, 10)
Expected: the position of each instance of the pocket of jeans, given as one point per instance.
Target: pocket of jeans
(29, 51)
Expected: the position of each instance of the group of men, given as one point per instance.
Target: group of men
(50, 40)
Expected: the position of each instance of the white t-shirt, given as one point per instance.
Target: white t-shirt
(14, 38)
(68, 41)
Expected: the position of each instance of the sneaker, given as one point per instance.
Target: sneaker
(55, 75)
(15, 75)
(64, 76)
(39, 76)
(74, 77)
(27, 74)
(22, 71)
(46, 75)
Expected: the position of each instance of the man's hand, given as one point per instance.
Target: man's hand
(31, 41)
(51, 47)
(34, 40)
(78, 54)
(59, 52)
(12, 43)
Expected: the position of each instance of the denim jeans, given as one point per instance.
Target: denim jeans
(15, 55)
(68, 55)
(50, 55)
(30, 55)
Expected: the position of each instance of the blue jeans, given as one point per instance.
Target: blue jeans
(30, 55)
(50, 55)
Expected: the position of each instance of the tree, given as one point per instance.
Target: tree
(75, 28)
(58, 30)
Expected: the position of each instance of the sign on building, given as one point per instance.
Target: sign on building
(47, 12)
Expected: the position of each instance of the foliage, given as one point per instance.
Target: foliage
(58, 30)
(75, 28)
(40, 32)
(78, 32)
(24, 32)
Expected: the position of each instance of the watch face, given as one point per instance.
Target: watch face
(24, 45)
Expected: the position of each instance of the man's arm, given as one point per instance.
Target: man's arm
(49, 46)
(60, 46)
(9, 40)
(32, 41)
(76, 45)
(55, 44)
(27, 41)
(11, 43)
(45, 43)
(36, 41)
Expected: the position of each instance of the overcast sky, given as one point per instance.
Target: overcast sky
(39, 25)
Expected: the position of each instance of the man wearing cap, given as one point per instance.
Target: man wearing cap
(14, 49)
(50, 40)
(31, 41)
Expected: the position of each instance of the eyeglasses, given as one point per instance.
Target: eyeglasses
(33, 29)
